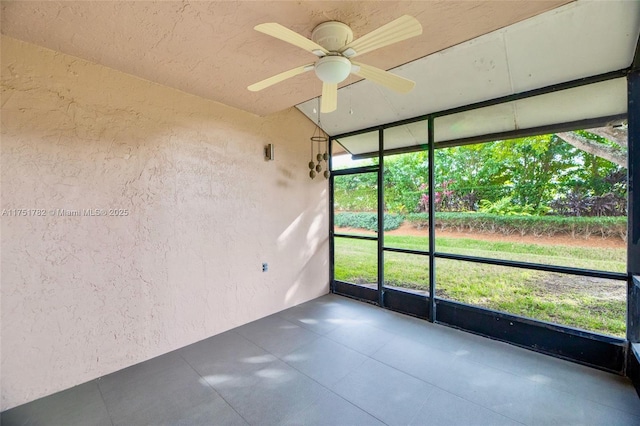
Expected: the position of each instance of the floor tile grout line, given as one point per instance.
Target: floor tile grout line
(104, 401)
(540, 386)
(213, 389)
(354, 349)
(552, 386)
(348, 347)
(429, 383)
(401, 316)
(596, 401)
(275, 355)
(445, 390)
(371, 357)
(397, 370)
(304, 374)
(557, 389)
(513, 374)
(330, 390)
(303, 325)
(423, 404)
(283, 319)
(517, 376)
(383, 345)
(508, 371)
(593, 401)
(476, 404)
(320, 384)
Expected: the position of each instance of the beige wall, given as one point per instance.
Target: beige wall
(85, 296)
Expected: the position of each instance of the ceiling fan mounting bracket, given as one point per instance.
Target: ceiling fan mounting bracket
(332, 35)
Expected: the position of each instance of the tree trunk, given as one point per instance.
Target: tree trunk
(616, 135)
(595, 148)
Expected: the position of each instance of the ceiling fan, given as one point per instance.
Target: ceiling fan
(332, 42)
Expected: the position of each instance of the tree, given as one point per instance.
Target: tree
(582, 171)
(609, 142)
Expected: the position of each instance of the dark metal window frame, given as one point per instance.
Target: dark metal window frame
(600, 351)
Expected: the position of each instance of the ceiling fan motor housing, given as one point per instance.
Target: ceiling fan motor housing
(332, 35)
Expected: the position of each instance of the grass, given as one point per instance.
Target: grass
(606, 259)
(592, 304)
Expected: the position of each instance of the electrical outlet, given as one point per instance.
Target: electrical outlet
(265, 267)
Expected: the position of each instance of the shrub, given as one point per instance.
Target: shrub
(505, 206)
(358, 199)
(526, 225)
(577, 204)
(368, 221)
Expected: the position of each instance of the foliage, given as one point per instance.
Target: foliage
(405, 178)
(538, 175)
(586, 201)
(584, 227)
(356, 192)
(445, 199)
(505, 206)
(472, 174)
(367, 221)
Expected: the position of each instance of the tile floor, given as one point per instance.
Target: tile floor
(336, 361)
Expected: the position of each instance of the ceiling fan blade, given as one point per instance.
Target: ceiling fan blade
(385, 78)
(279, 77)
(285, 34)
(400, 29)
(329, 101)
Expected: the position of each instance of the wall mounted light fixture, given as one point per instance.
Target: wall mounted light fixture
(268, 152)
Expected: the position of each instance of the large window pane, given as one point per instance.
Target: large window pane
(406, 181)
(540, 199)
(406, 271)
(355, 204)
(593, 304)
(356, 261)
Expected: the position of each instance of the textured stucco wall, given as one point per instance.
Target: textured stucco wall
(85, 296)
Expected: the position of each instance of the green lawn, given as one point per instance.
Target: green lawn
(588, 303)
(605, 259)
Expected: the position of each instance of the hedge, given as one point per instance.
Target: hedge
(605, 227)
(363, 220)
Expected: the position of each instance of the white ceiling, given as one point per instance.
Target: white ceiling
(209, 48)
(603, 99)
(577, 40)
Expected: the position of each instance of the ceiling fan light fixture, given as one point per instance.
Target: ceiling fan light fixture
(333, 69)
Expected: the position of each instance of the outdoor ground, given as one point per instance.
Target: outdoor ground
(584, 302)
(558, 240)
